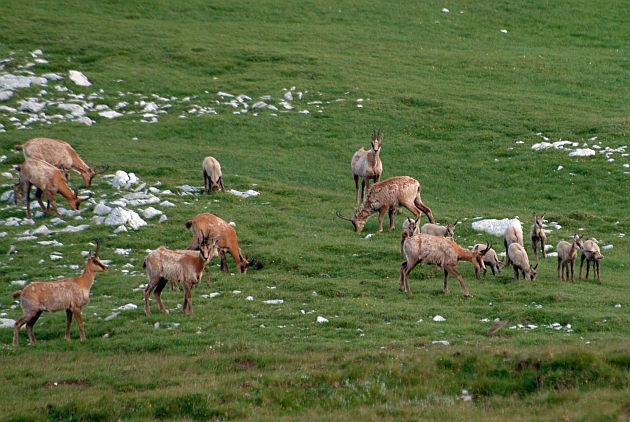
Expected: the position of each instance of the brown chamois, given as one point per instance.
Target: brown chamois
(512, 234)
(367, 165)
(437, 230)
(61, 155)
(520, 261)
(211, 226)
(164, 265)
(71, 294)
(386, 197)
(490, 259)
(537, 234)
(212, 176)
(591, 253)
(410, 227)
(443, 251)
(49, 181)
(567, 252)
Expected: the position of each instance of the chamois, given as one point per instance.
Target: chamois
(410, 227)
(164, 265)
(490, 259)
(367, 165)
(519, 260)
(537, 234)
(208, 225)
(212, 176)
(442, 251)
(71, 294)
(387, 196)
(61, 155)
(591, 253)
(436, 230)
(49, 181)
(567, 252)
(513, 234)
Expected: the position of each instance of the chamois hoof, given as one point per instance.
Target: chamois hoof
(467, 296)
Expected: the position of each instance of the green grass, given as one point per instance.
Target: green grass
(455, 100)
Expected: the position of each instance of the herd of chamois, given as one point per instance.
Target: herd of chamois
(49, 161)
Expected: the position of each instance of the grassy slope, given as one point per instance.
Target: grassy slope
(452, 97)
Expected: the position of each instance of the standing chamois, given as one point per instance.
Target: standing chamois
(517, 255)
(567, 252)
(591, 253)
(537, 234)
(61, 155)
(513, 234)
(212, 176)
(71, 294)
(387, 196)
(49, 181)
(367, 165)
(443, 251)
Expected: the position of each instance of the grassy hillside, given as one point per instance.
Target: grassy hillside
(462, 96)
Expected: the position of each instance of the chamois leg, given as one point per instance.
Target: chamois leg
(29, 327)
(147, 293)
(224, 265)
(542, 248)
(221, 184)
(18, 324)
(79, 317)
(515, 272)
(28, 199)
(207, 271)
(206, 183)
(158, 295)
(391, 219)
(507, 257)
(51, 200)
(582, 256)
(451, 269)
(381, 215)
(187, 309)
(571, 263)
(366, 183)
(68, 322)
(356, 188)
(588, 265)
(401, 280)
(596, 269)
(560, 269)
(405, 269)
(418, 203)
(535, 248)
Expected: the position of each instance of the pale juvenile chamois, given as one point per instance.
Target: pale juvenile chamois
(591, 253)
(537, 234)
(437, 230)
(410, 227)
(512, 234)
(208, 225)
(71, 294)
(386, 197)
(520, 261)
(433, 250)
(490, 259)
(49, 181)
(164, 265)
(367, 165)
(567, 252)
(212, 176)
(61, 155)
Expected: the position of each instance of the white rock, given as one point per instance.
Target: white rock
(56, 257)
(41, 230)
(496, 227)
(249, 298)
(127, 307)
(445, 10)
(110, 114)
(167, 204)
(74, 229)
(582, 152)
(274, 302)
(53, 76)
(444, 342)
(6, 95)
(321, 319)
(7, 323)
(248, 194)
(607, 247)
(112, 316)
(120, 229)
(74, 109)
(79, 78)
(121, 178)
(7, 175)
(19, 282)
(163, 218)
(32, 107)
(439, 318)
(288, 96)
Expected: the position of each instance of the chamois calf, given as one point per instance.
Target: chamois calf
(490, 259)
(367, 165)
(591, 253)
(537, 234)
(442, 251)
(512, 234)
(212, 176)
(61, 155)
(410, 227)
(49, 181)
(567, 252)
(519, 260)
(71, 294)
(436, 230)
(387, 196)
(208, 225)
(164, 265)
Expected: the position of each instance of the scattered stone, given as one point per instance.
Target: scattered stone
(79, 78)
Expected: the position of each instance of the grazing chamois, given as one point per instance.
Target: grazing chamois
(387, 196)
(591, 253)
(208, 225)
(512, 234)
(520, 261)
(567, 252)
(490, 259)
(410, 227)
(367, 165)
(537, 234)
(61, 155)
(212, 176)
(437, 230)
(427, 249)
(71, 294)
(49, 181)
(164, 265)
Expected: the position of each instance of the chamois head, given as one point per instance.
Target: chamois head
(450, 229)
(531, 273)
(89, 175)
(478, 262)
(538, 221)
(577, 241)
(377, 140)
(76, 201)
(94, 262)
(356, 221)
(410, 226)
(208, 248)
